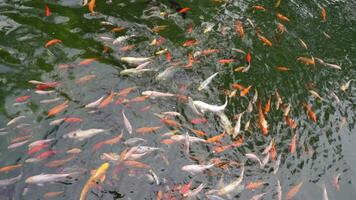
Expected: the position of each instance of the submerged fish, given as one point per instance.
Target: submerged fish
(233, 185)
(196, 168)
(207, 107)
(46, 178)
(83, 134)
(9, 181)
(207, 81)
(92, 180)
(135, 60)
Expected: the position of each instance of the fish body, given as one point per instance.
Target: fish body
(196, 168)
(100, 172)
(207, 81)
(83, 134)
(46, 178)
(9, 181)
(213, 108)
(133, 71)
(157, 94)
(135, 60)
(233, 185)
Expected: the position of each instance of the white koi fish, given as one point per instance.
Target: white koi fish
(213, 108)
(207, 81)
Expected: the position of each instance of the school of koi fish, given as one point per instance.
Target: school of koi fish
(132, 149)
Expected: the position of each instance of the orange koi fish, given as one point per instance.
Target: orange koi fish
(239, 29)
(282, 68)
(117, 29)
(52, 42)
(87, 61)
(293, 144)
(107, 101)
(10, 167)
(133, 163)
(216, 138)
(190, 61)
(268, 106)
(147, 129)
(107, 142)
(189, 43)
(60, 162)
(170, 122)
(220, 149)
(261, 120)
(59, 108)
(310, 112)
(138, 99)
(198, 132)
(85, 78)
(248, 57)
(323, 14)
(281, 28)
(183, 10)
(99, 173)
(124, 92)
(224, 61)
(168, 56)
(245, 91)
(290, 122)
(22, 98)
(273, 151)
(254, 185)
(237, 86)
(282, 17)
(259, 7)
(91, 6)
(307, 61)
(294, 190)
(52, 194)
(20, 138)
(48, 11)
(264, 40)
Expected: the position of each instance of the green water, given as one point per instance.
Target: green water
(24, 31)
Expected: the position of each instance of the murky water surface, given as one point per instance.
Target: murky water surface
(86, 65)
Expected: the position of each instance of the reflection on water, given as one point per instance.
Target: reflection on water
(89, 104)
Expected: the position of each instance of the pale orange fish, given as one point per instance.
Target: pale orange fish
(198, 132)
(159, 28)
(310, 112)
(273, 151)
(239, 29)
(307, 61)
(107, 100)
(293, 144)
(261, 120)
(59, 108)
(282, 68)
(189, 43)
(208, 51)
(254, 185)
(294, 190)
(20, 138)
(52, 42)
(167, 141)
(220, 149)
(290, 122)
(52, 194)
(304, 45)
(259, 7)
(60, 162)
(117, 29)
(138, 99)
(170, 122)
(336, 181)
(127, 47)
(282, 17)
(91, 6)
(268, 106)
(216, 138)
(87, 61)
(147, 129)
(85, 78)
(264, 40)
(133, 163)
(245, 91)
(323, 14)
(237, 86)
(108, 142)
(10, 167)
(281, 28)
(124, 92)
(190, 61)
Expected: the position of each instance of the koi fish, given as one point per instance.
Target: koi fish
(336, 181)
(239, 29)
(248, 57)
(323, 14)
(293, 144)
(194, 169)
(213, 108)
(14, 120)
(268, 106)
(184, 10)
(87, 61)
(264, 40)
(100, 172)
(261, 120)
(10, 181)
(60, 162)
(153, 94)
(117, 29)
(294, 190)
(91, 6)
(215, 138)
(107, 100)
(46, 178)
(282, 17)
(254, 185)
(310, 112)
(281, 28)
(233, 185)
(258, 7)
(108, 142)
(245, 91)
(48, 11)
(52, 194)
(94, 103)
(22, 98)
(159, 28)
(135, 60)
(190, 43)
(278, 2)
(52, 42)
(133, 71)
(143, 130)
(10, 168)
(207, 81)
(281, 68)
(307, 61)
(85, 78)
(57, 109)
(83, 134)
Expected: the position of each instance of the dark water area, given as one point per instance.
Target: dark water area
(48, 92)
